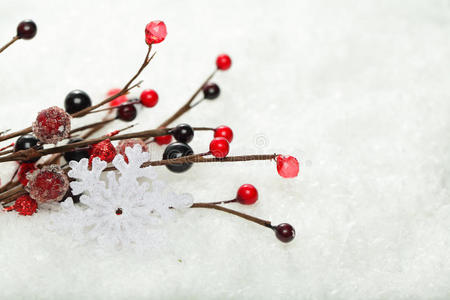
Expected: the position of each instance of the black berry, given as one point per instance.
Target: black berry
(76, 154)
(127, 112)
(285, 232)
(183, 133)
(211, 91)
(26, 142)
(26, 29)
(176, 150)
(76, 101)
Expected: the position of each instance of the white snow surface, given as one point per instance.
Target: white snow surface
(359, 91)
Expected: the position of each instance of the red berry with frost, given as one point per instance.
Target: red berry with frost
(247, 194)
(52, 125)
(287, 166)
(48, 184)
(103, 150)
(25, 205)
(225, 132)
(119, 100)
(219, 147)
(24, 170)
(163, 140)
(149, 98)
(223, 62)
(123, 144)
(285, 232)
(155, 32)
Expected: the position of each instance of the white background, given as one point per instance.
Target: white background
(357, 90)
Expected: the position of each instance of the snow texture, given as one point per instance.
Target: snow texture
(359, 91)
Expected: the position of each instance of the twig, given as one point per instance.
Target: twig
(9, 43)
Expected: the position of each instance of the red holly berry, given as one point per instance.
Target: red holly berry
(52, 125)
(149, 98)
(48, 184)
(247, 194)
(163, 140)
(225, 132)
(155, 32)
(24, 205)
(119, 100)
(219, 147)
(223, 62)
(104, 150)
(123, 144)
(24, 170)
(287, 166)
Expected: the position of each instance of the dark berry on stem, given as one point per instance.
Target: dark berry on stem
(26, 142)
(76, 154)
(127, 112)
(247, 194)
(285, 232)
(76, 101)
(183, 133)
(26, 29)
(225, 132)
(211, 91)
(219, 147)
(163, 140)
(223, 62)
(176, 150)
(149, 98)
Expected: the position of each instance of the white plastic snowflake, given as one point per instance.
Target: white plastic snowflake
(121, 212)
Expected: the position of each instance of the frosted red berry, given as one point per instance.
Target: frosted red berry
(287, 166)
(25, 205)
(24, 170)
(225, 132)
(123, 144)
(219, 147)
(103, 150)
(48, 184)
(223, 62)
(285, 232)
(149, 98)
(119, 100)
(247, 194)
(155, 32)
(163, 140)
(52, 125)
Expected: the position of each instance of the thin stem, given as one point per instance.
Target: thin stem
(103, 122)
(9, 43)
(203, 128)
(114, 107)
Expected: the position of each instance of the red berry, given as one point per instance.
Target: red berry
(24, 170)
(52, 125)
(223, 62)
(155, 32)
(163, 140)
(118, 100)
(26, 29)
(287, 166)
(48, 184)
(285, 232)
(25, 205)
(123, 144)
(247, 194)
(225, 132)
(219, 147)
(104, 150)
(127, 112)
(149, 98)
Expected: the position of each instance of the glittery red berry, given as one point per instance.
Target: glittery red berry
(287, 166)
(149, 98)
(223, 62)
(48, 184)
(104, 150)
(163, 140)
(52, 125)
(225, 132)
(285, 232)
(219, 147)
(247, 194)
(24, 170)
(119, 100)
(123, 144)
(155, 32)
(25, 205)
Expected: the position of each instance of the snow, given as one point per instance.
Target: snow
(357, 90)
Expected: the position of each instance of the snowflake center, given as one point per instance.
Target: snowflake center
(119, 211)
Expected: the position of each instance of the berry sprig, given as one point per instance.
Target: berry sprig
(26, 30)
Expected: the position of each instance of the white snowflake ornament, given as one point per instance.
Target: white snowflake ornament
(124, 211)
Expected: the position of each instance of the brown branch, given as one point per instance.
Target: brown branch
(9, 43)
